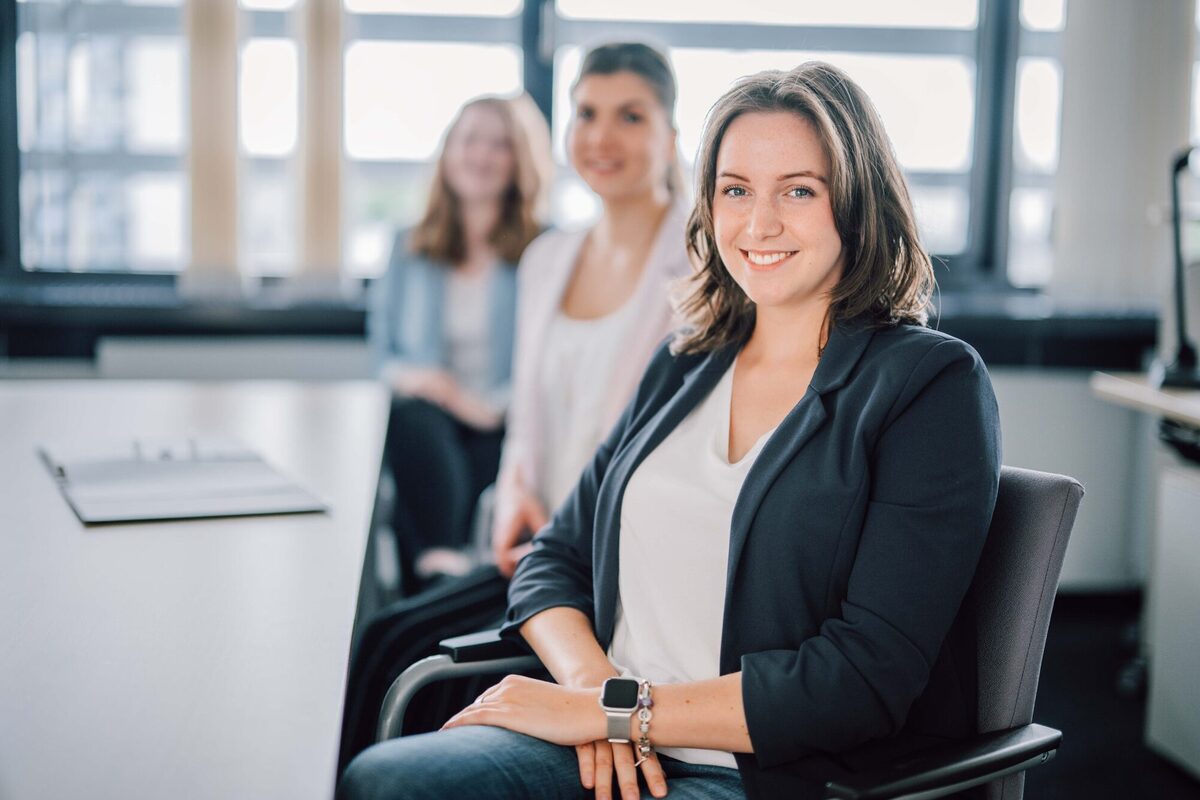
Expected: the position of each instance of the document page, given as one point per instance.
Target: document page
(158, 480)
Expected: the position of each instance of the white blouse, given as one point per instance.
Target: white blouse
(578, 363)
(674, 550)
(542, 279)
(468, 328)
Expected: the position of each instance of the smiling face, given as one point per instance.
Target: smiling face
(479, 162)
(620, 140)
(772, 218)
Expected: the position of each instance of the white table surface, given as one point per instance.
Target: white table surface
(187, 659)
(1136, 390)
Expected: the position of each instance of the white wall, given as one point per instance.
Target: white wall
(1127, 74)
(1052, 422)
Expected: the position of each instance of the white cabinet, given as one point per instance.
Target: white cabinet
(1173, 715)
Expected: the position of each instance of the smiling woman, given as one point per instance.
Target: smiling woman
(770, 546)
(838, 168)
(775, 232)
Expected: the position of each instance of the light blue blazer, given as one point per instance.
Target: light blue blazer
(406, 318)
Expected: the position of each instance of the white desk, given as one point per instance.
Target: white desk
(1134, 390)
(1173, 594)
(194, 659)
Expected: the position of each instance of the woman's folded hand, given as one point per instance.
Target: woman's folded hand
(566, 716)
(518, 513)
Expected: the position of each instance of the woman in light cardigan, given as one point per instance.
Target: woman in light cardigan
(593, 304)
(567, 397)
(441, 322)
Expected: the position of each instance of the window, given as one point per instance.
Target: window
(102, 136)
(103, 125)
(1037, 106)
(268, 97)
(406, 73)
(916, 61)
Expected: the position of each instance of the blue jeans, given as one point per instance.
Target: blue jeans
(496, 764)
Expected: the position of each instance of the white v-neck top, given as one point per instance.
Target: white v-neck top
(468, 327)
(578, 361)
(674, 550)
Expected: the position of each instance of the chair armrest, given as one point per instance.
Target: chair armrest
(462, 656)
(953, 767)
(482, 646)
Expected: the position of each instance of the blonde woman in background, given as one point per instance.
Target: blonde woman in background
(442, 317)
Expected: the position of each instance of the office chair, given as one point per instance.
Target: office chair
(399, 630)
(1005, 614)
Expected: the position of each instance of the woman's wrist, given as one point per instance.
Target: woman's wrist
(639, 718)
(590, 677)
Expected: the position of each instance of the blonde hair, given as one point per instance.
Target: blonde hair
(439, 236)
(887, 276)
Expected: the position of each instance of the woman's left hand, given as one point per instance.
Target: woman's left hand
(536, 708)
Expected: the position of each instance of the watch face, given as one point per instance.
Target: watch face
(620, 693)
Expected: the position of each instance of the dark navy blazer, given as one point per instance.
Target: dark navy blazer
(853, 541)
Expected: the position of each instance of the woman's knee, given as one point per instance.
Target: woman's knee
(390, 770)
(365, 778)
(472, 761)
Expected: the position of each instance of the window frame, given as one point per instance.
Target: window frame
(995, 44)
(992, 45)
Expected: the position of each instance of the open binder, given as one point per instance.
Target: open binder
(189, 479)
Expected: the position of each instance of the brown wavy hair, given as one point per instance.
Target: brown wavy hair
(439, 236)
(887, 276)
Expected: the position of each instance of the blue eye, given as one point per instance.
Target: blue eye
(799, 192)
(734, 191)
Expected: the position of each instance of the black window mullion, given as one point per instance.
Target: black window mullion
(991, 173)
(538, 66)
(10, 160)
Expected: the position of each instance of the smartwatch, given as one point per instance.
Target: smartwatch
(619, 699)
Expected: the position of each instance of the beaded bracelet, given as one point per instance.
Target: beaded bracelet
(644, 715)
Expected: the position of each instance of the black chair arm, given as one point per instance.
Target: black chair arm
(482, 646)
(462, 656)
(953, 767)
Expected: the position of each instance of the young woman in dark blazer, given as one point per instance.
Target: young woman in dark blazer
(771, 545)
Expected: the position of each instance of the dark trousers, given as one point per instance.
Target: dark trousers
(440, 467)
(407, 631)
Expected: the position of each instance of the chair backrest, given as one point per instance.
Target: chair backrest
(1011, 597)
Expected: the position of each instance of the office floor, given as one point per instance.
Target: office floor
(1102, 755)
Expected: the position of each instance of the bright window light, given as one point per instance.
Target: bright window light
(268, 97)
(401, 96)
(27, 93)
(941, 217)
(927, 102)
(458, 8)
(1044, 15)
(268, 222)
(154, 113)
(1030, 247)
(155, 220)
(1039, 98)
(961, 14)
(268, 5)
